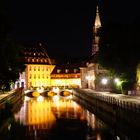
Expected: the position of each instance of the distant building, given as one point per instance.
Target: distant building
(67, 75)
(38, 67)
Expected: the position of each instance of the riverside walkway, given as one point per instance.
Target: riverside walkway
(108, 95)
(11, 96)
(109, 102)
(5, 95)
(120, 112)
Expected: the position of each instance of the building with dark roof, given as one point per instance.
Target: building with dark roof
(38, 67)
(68, 75)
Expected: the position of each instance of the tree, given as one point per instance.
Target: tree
(119, 51)
(10, 55)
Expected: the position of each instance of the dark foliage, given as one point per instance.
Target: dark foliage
(10, 50)
(119, 50)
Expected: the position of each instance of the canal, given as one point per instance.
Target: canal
(53, 118)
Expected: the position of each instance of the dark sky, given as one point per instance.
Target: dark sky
(65, 27)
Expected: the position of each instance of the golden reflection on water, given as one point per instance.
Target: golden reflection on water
(41, 113)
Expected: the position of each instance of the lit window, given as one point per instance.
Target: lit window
(75, 70)
(30, 76)
(66, 70)
(58, 70)
(30, 68)
(42, 68)
(38, 68)
(35, 68)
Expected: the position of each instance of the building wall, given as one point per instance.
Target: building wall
(84, 82)
(69, 82)
(38, 75)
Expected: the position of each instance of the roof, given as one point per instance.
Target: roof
(37, 53)
(66, 69)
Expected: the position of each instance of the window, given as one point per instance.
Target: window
(30, 68)
(30, 76)
(38, 68)
(75, 70)
(58, 70)
(34, 68)
(66, 70)
(43, 68)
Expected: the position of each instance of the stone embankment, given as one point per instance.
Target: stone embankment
(10, 99)
(111, 107)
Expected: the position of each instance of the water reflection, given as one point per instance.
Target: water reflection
(45, 118)
(44, 115)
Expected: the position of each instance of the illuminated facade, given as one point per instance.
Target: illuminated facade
(138, 80)
(66, 76)
(38, 67)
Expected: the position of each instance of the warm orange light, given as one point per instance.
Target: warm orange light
(35, 94)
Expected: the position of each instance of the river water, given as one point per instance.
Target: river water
(44, 118)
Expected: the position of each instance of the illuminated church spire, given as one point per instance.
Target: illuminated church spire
(97, 19)
(97, 25)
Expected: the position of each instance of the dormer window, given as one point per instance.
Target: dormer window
(66, 70)
(58, 70)
(75, 70)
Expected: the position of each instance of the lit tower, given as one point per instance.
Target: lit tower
(97, 25)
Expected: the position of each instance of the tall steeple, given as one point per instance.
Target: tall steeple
(97, 19)
(97, 25)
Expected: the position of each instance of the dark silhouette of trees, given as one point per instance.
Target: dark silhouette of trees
(119, 51)
(10, 64)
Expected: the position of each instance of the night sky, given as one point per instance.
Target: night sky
(65, 27)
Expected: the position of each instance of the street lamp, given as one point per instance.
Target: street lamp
(118, 83)
(104, 81)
